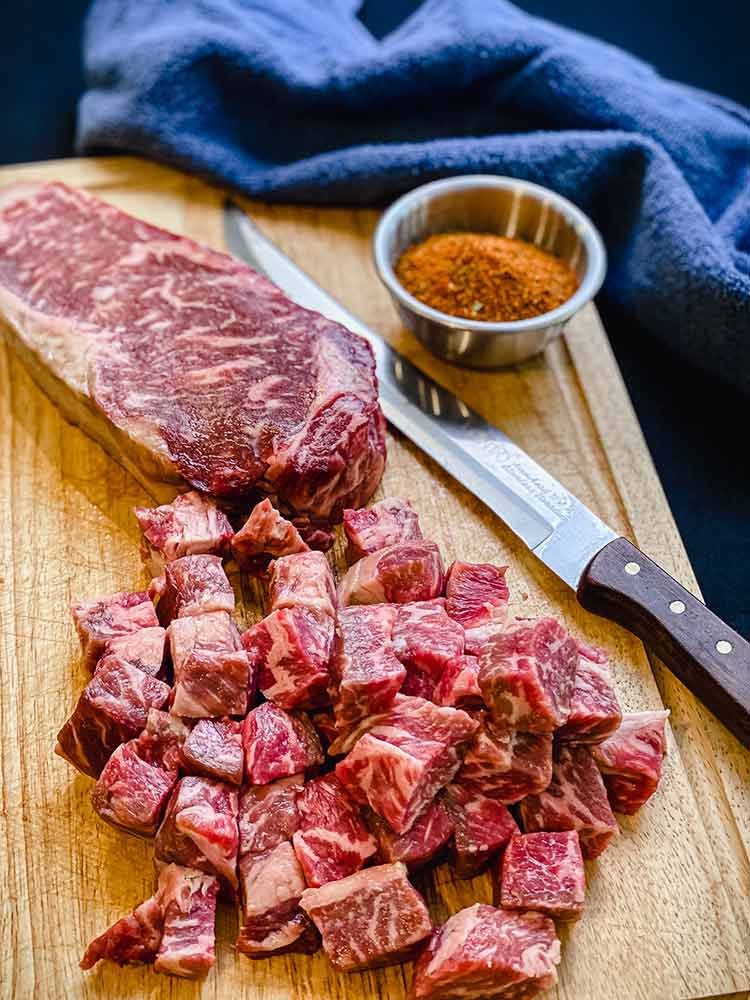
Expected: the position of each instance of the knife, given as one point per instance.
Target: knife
(610, 575)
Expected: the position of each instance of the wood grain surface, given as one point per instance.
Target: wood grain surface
(667, 915)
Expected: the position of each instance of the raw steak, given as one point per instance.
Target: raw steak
(575, 800)
(459, 684)
(421, 844)
(107, 617)
(291, 652)
(265, 536)
(418, 684)
(278, 744)
(594, 710)
(189, 526)
(303, 580)
(332, 840)
(527, 673)
(543, 872)
(407, 571)
(199, 829)
(268, 814)
(482, 827)
(112, 708)
(373, 918)
(631, 760)
(132, 793)
(132, 940)
(261, 393)
(425, 638)
(387, 522)
(214, 750)
(482, 953)
(162, 740)
(194, 585)
(211, 669)
(476, 595)
(188, 901)
(507, 764)
(144, 649)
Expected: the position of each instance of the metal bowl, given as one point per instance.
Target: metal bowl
(507, 207)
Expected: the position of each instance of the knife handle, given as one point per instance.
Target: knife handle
(711, 659)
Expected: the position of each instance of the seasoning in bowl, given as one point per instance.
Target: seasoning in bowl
(485, 277)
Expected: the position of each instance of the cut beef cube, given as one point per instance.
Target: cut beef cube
(400, 574)
(543, 872)
(112, 709)
(131, 793)
(631, 760)
(278, 744)
(162, 740)
(194, 585)
(425, 638)
(188, 901)
(199, 829)
(594, 710)
(527, 674)
(418, 684)
(332, 840)
(303, 580)
(265, 535)
(481, 953)
(459, 684)
(373, 918)
(291, 651)
(144, 649)
(108, 617)
(214, 750)
(132, 940)
(191, 525)
(507, 764)
(482, 827)
(211, 669)
(476, 596)
(387, 522)
(268, 814)
(421, 844)
(365, 673)
(184, 362)
(271, 885)
(325, 726)
(575, 800)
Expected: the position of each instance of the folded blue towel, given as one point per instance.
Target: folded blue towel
(294, 100)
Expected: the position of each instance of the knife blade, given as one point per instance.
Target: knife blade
(610, 575)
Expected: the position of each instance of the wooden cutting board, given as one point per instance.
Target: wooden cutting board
(667, 914)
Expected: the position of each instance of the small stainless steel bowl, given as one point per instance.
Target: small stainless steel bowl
(489, 204)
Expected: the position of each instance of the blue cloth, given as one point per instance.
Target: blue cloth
(294, 100)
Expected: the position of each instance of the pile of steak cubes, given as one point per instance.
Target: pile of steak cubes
(303, 770)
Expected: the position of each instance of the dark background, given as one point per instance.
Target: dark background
(696, 427)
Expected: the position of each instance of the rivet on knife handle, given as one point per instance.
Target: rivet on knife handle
(711, 659)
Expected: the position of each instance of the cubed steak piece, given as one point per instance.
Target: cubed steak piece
(131, 793)
(199, 829)
(373, 918)
(108, 617)
(332, 840)
(268, 814)
(418, 684)
(594, 710)
(193, 585)
(211, 669)
(188, 902)
(365, 673)
(182, 361)
(144, 649)
(303, 580)
(631, 759)
(214, 750)
(575, 800)
(387, 522)
(291, 652)
(482, 952)
(265, 535)
(482, 827)
(459, 684)
(162, 740)
(425, 638)
(191, 525)
(132, 940)
(421, 844)
(476, 596)
(506, 764)
(400, 574)
(527, 674)
(112, 709)
(278, 744)
(543, 872)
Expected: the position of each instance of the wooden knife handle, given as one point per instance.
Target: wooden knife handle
(710, 659)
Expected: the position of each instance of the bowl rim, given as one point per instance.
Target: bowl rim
(591, 283)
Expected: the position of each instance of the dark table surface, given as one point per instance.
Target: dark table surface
(696, 427)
